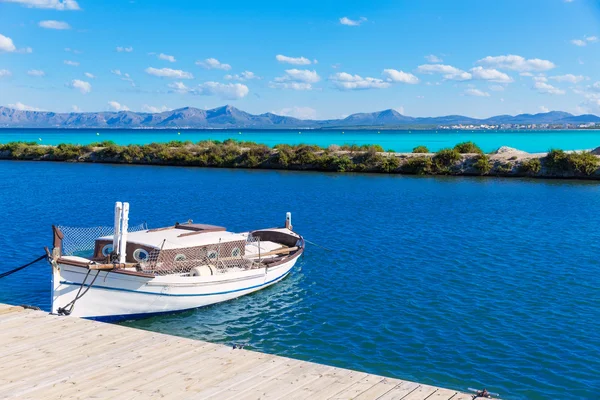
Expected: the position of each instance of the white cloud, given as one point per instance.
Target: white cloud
(449, 72)
(299, 75)
(89, 75)
(116, 72)
(4, 72)
(69, 50)
(433, 59)
(230, 91)
(346, 81)
(75, 108)
(492, 75)
(546, 88)
(568, 78)
(290, 85)
(166, 57)
(71, 63)
(213, 63)
(169, 73)
(352, 22)
(53, 24)
(584, 42)
(116, 106)
(517, 63)
(36, 72)
(6, 44)
(179, 87)
(22, 107)
(296, 79)
(293, 60)
(124, 49)
(392, 75)
(298, 112)
(152, 109)
(49, 4)
(244, 76)
(544, 109)
(476, 93)
(497, 88)
(83, 86)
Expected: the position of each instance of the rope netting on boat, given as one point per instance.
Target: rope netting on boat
(79, 241)
(203, 260)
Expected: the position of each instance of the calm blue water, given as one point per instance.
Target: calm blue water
(455, 282)
(401, 141)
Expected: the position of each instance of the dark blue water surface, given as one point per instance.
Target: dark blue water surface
(454, 282)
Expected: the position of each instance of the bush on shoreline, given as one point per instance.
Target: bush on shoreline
(345, 158)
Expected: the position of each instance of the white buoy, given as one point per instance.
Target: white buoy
(124, 227)
(97, 133)
(40, 139)
(179, 133)
(288, 220)
(117, 232)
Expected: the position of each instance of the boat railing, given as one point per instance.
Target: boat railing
(78, 241)
(217, 258)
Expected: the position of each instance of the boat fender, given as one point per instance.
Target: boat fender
(203, 270)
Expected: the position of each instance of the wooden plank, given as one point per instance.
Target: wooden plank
(443, 394)
(380, 389)
(358, 388)
(250, 374)
(329, 384)
(46, 356)
(286, 383)
(400, 392)
(420, 393)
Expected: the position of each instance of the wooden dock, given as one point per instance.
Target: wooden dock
(49, 357)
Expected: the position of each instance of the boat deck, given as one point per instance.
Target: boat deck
(46, 356)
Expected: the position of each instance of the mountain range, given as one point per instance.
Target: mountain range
(229, 117)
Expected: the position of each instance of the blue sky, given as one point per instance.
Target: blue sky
(309, 59)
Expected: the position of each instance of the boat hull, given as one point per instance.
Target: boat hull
(110, 296)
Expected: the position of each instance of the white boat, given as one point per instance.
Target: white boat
(138, 272)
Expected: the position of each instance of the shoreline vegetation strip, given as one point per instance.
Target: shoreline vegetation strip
(463, 159)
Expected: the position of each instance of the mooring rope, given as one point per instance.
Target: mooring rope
(12, 271)
(71, 304)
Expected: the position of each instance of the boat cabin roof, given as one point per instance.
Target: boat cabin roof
(181, 236)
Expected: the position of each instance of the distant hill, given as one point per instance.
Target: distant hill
(229, 117)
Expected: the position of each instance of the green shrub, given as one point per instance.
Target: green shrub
(584, 163)
(557, 161)
(483, 164)
(505, 168)
(342, 163)
(532, 166)
(444, 160)
(390, 164)
(66, 151)
(468, 148)
(417, 165)
(421, 149)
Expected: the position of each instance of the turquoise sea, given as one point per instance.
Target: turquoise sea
(455, 282)
(400, 141)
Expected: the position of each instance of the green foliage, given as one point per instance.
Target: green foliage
(67, 152)
(355, 158)
(421, 149)
(468, 148)
(533, 166)
(390, 164)
(420, 165)
(557, 161)
(483, 164)
(444, 160)
(584, 163)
